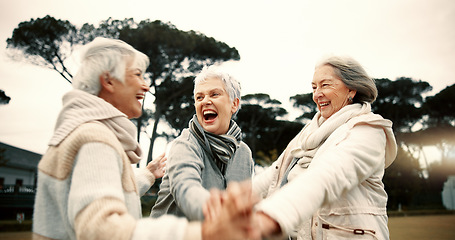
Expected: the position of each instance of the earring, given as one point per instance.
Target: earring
(350, 99)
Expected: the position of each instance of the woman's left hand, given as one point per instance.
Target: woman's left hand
(158, 166)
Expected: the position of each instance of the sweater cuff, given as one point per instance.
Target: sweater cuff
(145, 179)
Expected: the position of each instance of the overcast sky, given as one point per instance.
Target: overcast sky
(279, 43)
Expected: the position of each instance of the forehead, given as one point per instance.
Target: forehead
(325, 73)
(209, 84)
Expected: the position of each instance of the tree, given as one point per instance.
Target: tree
(400, 101)
(44, 42)
(306, 104)
(4, 99)
(441, 107)
(263, 131)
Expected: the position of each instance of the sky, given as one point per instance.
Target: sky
(279, 43)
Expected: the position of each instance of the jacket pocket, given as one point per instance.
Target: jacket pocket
(339, 234)
(341, 231)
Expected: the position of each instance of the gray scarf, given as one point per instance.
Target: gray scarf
(220, 147)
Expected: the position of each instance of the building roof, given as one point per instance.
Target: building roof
(18, 158)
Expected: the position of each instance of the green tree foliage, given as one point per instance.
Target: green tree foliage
(441, 107)
(45, 42)
(265, 134)
(400, 101)
(306, 104)
(4, 99)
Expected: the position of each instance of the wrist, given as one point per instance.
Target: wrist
(267, 225)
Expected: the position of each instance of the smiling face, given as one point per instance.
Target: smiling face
(214, 108)
(329, 93)
(126, 97)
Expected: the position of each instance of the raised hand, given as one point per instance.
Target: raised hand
(158, 166)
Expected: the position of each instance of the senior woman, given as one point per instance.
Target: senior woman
(87, 188)
(208, 154)
(330, 175)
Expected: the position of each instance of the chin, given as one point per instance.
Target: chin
(136, 115)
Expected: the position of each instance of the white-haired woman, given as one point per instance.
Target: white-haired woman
(87, 188)
(327, 184)
(208, 154)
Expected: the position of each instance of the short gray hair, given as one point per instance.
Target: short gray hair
(106, 55)
(353, 76)
(231, 84)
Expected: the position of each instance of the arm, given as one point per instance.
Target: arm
(333, 173)
(185, 167)
(262, 181)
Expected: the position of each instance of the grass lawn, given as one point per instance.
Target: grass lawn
(432, 227)
(424, 227)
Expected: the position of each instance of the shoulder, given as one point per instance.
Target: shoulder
(185, 147)
(58, 160)
(244, 153)
(92, 131)
(186, 140)
(244, 147)
(371, 119)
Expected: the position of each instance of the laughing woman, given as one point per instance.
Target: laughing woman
(209, 153)
(327, 184)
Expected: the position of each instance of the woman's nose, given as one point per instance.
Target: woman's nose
(145, 87)
(317, 93)
(206, 100)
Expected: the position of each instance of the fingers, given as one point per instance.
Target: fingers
(239, 199)
(229, 215)
(212, 207)
(158, 166)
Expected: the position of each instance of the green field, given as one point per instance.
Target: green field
(433, 227)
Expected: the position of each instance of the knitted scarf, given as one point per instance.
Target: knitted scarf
(220, 147)
(80, 107)
(314, 134)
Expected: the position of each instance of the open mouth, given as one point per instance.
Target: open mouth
(139, 96)
(324, 104)
(210, 115)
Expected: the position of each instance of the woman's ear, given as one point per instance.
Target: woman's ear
(235, 105)
(106, 82)
(352, 93)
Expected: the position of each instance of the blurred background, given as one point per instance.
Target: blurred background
(407, 46)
